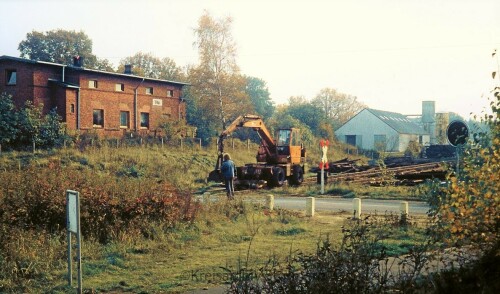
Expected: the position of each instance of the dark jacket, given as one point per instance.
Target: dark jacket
(228, 169)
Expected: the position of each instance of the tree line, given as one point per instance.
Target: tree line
(218, 92)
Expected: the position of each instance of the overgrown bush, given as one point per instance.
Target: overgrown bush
(359, 265)
(466, 207)
(34, 199)
(27, 127)
(33, 215)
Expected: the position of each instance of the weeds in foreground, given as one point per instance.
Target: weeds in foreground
(360, 264)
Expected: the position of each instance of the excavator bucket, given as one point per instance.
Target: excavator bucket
(215, 176)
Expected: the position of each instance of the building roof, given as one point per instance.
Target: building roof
(18, 59)
(398, 122)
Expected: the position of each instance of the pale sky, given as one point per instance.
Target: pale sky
(392, 55)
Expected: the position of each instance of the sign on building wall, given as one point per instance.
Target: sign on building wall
(157, 102)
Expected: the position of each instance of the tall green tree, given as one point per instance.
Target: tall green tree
(8, 120)
(259, 94)
(282, 119)
(60, 46)
(308, 114)
(304, 111)
(147, 65)
(218, 88)
(336, 107)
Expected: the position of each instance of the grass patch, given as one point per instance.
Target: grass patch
(290, 231)
(188, 255)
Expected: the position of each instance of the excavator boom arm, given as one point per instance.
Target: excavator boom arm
(246, 121)
(250, 121)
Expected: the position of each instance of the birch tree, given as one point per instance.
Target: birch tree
(218, 88)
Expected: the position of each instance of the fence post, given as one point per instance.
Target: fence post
(310, 206)
(403, 208)
(270, 202)
(356, 206)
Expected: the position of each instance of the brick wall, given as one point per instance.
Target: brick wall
(42, 83)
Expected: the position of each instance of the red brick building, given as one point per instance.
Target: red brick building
(110, 104)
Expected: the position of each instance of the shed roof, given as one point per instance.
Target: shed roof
(398, 122)
(83, 69)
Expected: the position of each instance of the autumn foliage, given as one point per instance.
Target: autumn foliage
(467, 208)
(34, 199)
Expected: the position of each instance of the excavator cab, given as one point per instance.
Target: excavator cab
(288, 148)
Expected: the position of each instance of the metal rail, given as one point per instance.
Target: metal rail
(393, 174)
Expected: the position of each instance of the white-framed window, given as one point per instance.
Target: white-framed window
(124, 119)
(98, 118)
(149, 90)
(11, 77)
(170, 93)
(119, 87)
(93, 84)
(144, 120)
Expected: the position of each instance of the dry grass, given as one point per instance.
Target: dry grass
(190, 255)
(194, 257)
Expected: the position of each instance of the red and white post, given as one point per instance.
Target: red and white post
(324, 162)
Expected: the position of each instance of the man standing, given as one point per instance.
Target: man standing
(228, 170)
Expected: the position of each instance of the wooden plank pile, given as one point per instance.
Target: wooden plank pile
(439, 151)
(404, 175)
(344, 166)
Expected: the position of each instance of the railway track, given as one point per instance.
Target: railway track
(410, 174)
(402, 175)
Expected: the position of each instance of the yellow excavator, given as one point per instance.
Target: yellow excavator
(278, 161)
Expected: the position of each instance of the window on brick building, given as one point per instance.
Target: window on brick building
(124, 119)
(93, 84)
(149, 90)
(144, 120)
(120, 87)
(98, 118)
(170, 93)
(11, 75)
(72, 108)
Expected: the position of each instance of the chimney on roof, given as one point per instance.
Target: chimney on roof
(128, 69)
(78, 61)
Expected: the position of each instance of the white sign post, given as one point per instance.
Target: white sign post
(324, 163)
(73, 225)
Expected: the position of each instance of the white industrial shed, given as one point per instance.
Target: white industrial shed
(372, 129)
